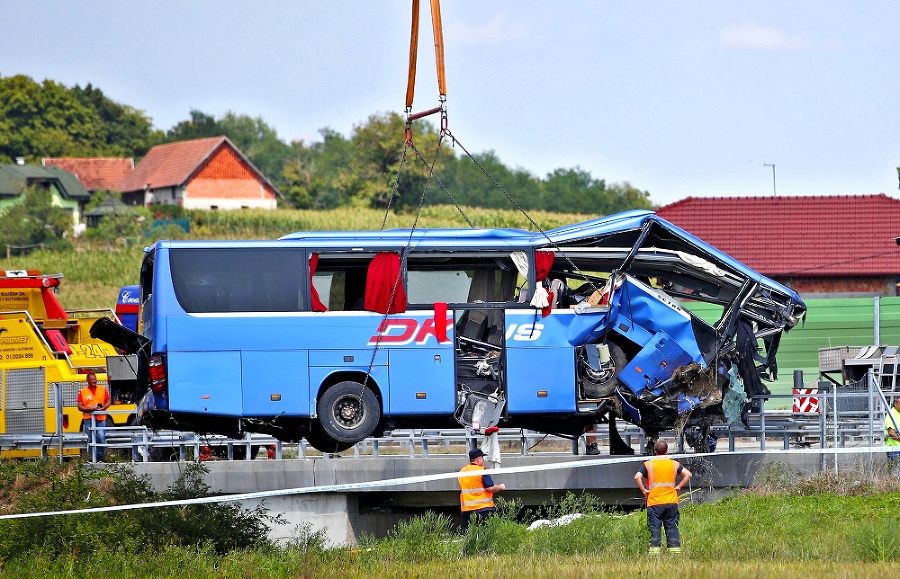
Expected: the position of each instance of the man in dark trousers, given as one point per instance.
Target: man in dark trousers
(477, 492)
(662, 497)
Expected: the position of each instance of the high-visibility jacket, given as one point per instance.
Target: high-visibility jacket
(888, 423)
(474, 496)
(88, 398)
(661, 473)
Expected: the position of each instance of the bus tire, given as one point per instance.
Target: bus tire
(607, 387)
(348, 412)
(324, 443)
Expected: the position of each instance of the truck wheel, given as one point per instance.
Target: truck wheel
(348, 413)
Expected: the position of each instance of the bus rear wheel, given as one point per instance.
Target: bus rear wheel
(324, 443)
(348, 412)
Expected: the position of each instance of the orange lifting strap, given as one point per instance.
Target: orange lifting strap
(438, 53)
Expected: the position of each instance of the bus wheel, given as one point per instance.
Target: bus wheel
(348, 412)
(324, 443)
(599, 384)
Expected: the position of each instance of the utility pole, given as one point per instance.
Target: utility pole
(774, 192)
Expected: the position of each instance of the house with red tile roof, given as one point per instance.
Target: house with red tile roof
(95, 173)
(207, 173)
(826, 245)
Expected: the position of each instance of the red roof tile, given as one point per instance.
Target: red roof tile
(170, 165)
(94, 173)
(840, 235)
(174, 164)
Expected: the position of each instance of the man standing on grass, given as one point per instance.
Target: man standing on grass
(477, 492)
(662, 497)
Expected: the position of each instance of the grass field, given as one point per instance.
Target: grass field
(787, 526)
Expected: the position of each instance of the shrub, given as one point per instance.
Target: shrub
(423, 538)
(44, 487)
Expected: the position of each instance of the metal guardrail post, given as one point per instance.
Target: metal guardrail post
(762, 423)
(870, 379)
(823, 434)
(836, 415)
(92, 440)
(57, 397)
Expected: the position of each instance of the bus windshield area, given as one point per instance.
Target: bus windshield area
(336, 336)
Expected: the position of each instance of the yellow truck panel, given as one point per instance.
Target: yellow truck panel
(42, 346)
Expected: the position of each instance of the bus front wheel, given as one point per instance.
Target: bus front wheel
(348, 412)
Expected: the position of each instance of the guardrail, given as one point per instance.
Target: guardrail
(844, 417)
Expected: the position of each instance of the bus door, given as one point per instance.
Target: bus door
(541, 362)
(480, 366)
(421, 366)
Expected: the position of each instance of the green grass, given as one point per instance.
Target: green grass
(788, 526)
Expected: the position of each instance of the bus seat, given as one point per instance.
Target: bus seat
(60, 346)
(473, 324)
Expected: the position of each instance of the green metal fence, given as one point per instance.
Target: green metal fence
(829, 323)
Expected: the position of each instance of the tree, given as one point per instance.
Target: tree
(50, 120)
(35, 220)
(126, 130)
(575, 191)
(628, 197)
(310, 174)
(469, 185)
(375, 162)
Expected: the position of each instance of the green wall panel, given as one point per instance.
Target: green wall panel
(829, 323)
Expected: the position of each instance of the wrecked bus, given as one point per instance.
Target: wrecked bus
(337, 336)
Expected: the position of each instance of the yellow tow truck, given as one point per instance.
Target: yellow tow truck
(42, 346)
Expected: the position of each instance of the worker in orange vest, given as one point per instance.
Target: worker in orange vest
(477, 492)
(662, 497)
(93, 399)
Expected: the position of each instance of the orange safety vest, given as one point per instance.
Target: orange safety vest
(88, 398)
(661, 474)
(474, 496)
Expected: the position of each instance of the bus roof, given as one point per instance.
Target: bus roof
(500, 239)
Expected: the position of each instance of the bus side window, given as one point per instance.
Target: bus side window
(484, 277)
(341, 281)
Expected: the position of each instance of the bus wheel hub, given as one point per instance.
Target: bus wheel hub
(348, 412)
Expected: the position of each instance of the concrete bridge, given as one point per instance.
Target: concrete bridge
(346, 515)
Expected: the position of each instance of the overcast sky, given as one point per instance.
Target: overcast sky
(679, 98)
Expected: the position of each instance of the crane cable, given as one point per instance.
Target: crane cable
(438, 52)
(408, 142)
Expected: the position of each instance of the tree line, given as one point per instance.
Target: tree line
(48, 119)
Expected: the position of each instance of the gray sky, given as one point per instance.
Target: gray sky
(679, 98)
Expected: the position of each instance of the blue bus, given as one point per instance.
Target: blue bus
(338, 336)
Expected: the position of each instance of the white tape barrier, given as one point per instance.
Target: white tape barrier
(444, 476)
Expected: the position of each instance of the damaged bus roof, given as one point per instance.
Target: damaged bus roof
(569, 235)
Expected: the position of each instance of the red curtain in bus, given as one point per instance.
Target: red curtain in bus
(543, 261)
(317, 305)
(381, 280)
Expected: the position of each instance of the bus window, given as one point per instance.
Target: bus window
(461, 279)
(340, 279)
(239, 279)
